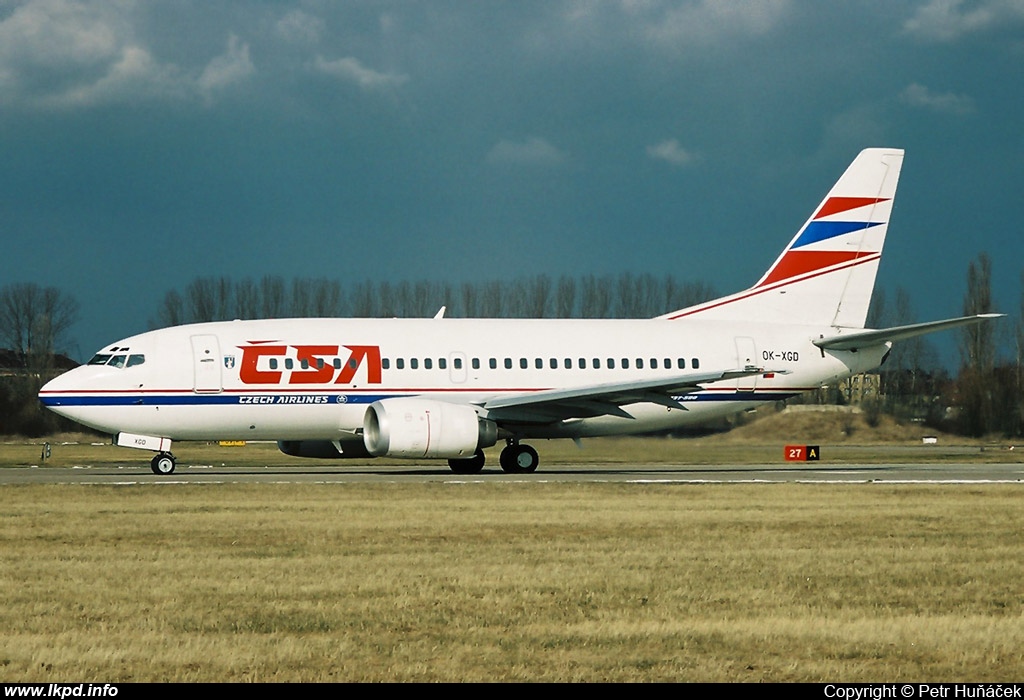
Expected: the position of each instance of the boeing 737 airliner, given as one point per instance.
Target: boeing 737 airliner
(448, 388)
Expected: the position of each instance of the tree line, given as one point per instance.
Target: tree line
(538, 296)
(984, 396)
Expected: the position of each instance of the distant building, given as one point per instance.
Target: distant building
(12, 364)
(861, 387)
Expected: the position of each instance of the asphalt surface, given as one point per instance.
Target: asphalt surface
(945, 473)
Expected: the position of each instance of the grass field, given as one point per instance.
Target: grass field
(511, 582)
(519, 581)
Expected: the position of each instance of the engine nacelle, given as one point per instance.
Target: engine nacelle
(324, 449)
(423, 428)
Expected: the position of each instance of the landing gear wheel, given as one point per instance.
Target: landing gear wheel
(163, 463)
(519, 459)
(472, 465)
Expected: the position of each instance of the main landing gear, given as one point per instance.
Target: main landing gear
(163, 463)
(518, 459)
(514, 459)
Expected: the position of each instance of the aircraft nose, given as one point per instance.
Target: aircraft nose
(49, 392)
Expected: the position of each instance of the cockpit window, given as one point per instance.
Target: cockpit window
(118, 361)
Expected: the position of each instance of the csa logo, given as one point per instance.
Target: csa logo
(307, 364)
(229, 362)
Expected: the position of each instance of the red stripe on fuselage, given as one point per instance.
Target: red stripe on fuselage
(754, 291)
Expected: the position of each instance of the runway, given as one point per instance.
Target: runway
(944, 473)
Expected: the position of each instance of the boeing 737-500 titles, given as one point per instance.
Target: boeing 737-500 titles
(445, 388)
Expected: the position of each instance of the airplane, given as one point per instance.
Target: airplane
(446, 388)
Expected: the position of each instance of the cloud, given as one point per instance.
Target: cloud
(532, 151)
(672, 153)
(300, 27)
(230, 67)
(351, 70)
(949, 20)
(709, 21)
(918, 95)
(62, 54)
(55, 53)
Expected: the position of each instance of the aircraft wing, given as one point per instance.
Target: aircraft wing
(553, 405)
(857, 339)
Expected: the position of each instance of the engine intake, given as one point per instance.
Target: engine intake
(423, 428)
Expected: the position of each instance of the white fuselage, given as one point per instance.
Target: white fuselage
(312, 379)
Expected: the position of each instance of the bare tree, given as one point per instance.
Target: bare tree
(596, 301)
(538, 296)
(272, 297)
(247, 299)
(328, 299)
(977, 385)
(171, 311)
(469, 294)
(492, 303)
(34, 322)
(977, 348)
(565, 297)
(363, 297)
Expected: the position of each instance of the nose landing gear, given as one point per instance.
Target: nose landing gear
(163, 463)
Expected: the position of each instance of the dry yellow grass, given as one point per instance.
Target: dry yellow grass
(511, 581)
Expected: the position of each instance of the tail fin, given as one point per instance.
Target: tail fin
(827, 272)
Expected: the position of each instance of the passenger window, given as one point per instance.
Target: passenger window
(458, 362)
(597, 363)
(538, 363)
(428, 363)
(304, 363)
(289, 363)
(639, 363)
(582, 363)
(668, 364)
(681, 363)
(611, 363)
(442, 363)
(568, 363)
(493, 363)
(508, 363)
(135, 360)
(523, 364)
(400, 363)
(476, 363)
(273, 363)
(625, 363)
(385, 363)
(414, 363)
(336, 363)
(695, 363)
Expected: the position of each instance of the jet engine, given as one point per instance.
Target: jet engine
(424, 428)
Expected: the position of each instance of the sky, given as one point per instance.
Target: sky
(144, 144)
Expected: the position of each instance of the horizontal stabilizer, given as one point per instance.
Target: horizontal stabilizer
(861, 339)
